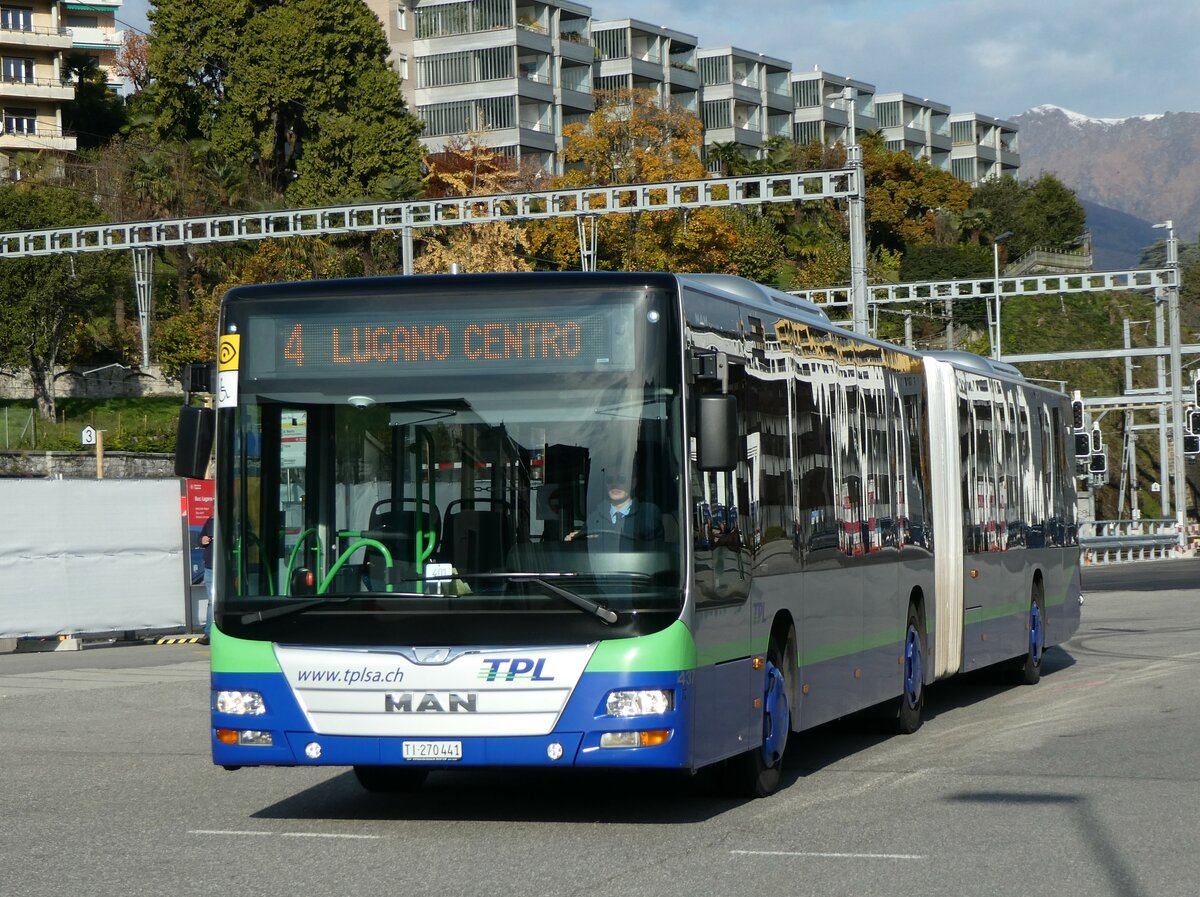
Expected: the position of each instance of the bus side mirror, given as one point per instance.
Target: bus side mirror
(194, 441)
(716, 432)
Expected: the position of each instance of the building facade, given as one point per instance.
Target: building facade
(33, 41)
(919, 127)
(95, 33)
(515, 72)
(746, 98)
(36, 39)
(982, 147)
(640, 56)
(831, 109)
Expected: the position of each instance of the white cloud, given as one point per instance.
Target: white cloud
(999, 57)
(1105, 58)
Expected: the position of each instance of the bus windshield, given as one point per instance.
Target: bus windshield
(410, 506)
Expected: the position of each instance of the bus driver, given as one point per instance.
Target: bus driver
(623, 515)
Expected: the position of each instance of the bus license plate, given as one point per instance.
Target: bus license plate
(431, 750)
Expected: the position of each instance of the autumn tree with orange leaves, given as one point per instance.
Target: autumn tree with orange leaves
(632, 139)
(468, 167)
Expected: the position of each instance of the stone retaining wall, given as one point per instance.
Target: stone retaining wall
(104, 382)
(82, 465)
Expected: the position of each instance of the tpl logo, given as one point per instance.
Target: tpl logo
(509, 669)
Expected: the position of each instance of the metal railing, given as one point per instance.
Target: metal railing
(1126, 541)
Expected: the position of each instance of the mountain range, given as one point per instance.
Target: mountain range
(1128, 173)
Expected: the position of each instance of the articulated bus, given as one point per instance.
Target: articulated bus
(419, 565)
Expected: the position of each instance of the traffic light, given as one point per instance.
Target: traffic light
(1099, 463)
(1083, 445)
(1077, 414)
(1191, 445)
(1097, 439)
(1196, 390)
(1194, 421)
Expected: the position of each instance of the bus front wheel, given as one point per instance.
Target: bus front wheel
(756, 772)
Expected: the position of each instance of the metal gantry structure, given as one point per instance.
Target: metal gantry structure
(587, 204)
(1166, 398)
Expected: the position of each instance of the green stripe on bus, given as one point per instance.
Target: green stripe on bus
(236, 655)
(672, 649)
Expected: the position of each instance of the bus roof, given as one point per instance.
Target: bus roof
(972, 362)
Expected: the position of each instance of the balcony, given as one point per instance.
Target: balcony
(40, 38)
(575, 46)
(683, 77)
(24, 140)
(96, 38)
(47, 89)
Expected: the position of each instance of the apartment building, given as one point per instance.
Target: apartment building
(919, 127)
(512, 71)
(641, 56)
(95, 33)
(517, 71)
(830, 108)
(36, 38)
(746, 98)
(33, 40)
(982, 147)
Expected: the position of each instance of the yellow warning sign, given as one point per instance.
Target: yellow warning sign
(227, 352)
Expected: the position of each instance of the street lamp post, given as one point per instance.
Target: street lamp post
(996, 241)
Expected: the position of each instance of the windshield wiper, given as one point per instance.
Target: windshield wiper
(580, 601)
(284, 610)
(583, 603)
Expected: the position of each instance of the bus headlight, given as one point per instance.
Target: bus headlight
(640, 702)
(241, 703)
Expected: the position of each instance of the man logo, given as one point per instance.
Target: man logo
(402, 702)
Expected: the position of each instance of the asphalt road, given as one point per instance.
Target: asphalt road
(1084, 784)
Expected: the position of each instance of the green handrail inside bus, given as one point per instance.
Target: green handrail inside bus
(287, 576)
(241, 561)
(421, 549)
(349, 550)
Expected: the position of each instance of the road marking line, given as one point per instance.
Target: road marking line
(833, 856)
(207, 831)
(285, 834)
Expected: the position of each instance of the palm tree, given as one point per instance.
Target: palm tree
(729, 156)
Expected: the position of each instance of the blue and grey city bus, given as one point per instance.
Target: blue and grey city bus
(607, 520)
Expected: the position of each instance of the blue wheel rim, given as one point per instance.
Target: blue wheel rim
(776, 717)
(914, 667)
(1036, 636)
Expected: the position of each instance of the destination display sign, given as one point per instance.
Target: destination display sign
(472, 340)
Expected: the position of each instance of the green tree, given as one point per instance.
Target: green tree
(44, 298)
(96, 113)
(1040, 214)
(925, 262)
(300, 89)
(905, 195)
(192, 43)
(728, 157)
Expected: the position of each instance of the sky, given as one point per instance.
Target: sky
(1100, 58)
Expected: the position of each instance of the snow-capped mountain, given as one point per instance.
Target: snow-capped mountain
(1147, 166)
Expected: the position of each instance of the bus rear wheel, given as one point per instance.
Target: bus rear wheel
(912, 699)
(756, 773)
(390, 779)
(1028, 669)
